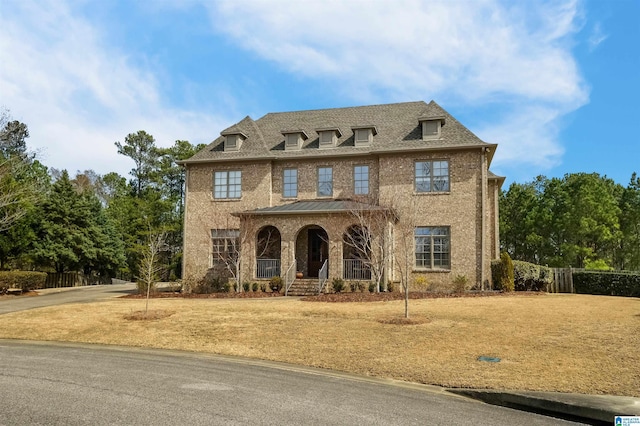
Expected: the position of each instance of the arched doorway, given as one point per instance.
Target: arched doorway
(268, 250)
(312, 250)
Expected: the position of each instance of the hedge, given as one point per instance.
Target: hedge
(502, 273)
(607, 283)
(24, 280)
(531, 277)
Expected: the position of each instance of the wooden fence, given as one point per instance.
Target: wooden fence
(562, 281)
(73, 279)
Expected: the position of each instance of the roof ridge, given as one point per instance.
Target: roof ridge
(342, 108)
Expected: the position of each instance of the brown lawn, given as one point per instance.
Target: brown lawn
(566, 343)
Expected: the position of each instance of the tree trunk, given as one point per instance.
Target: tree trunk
(406, 300)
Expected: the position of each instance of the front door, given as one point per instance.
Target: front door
(318, 250)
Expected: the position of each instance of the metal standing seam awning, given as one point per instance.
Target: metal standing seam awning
(313, 207)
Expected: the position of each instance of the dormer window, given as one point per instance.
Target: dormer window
(363, 135)
(233, 140)
(431, 127)
(293, 139)
(328, 137)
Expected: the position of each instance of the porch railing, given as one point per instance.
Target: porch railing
(267, 268)
(289, 277)
(323, 275)
(356, 269)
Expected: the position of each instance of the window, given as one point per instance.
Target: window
(432, 247)
(225, 244)
(432, 176)
(361, 180)
(325, 182)
(227, 184)
(290, 183)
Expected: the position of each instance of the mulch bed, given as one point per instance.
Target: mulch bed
(396, 295)
(332, 297)
(230, 295)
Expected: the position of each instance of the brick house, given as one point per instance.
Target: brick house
(294, 191)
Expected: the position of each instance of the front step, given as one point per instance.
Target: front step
(304, 287)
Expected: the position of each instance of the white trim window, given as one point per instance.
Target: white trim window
(325, 182)
(361, 180)
(433, 247)
(290, 183)
(224, 246)
(227, 184)
(432, 176)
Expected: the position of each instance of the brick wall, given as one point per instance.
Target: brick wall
(391, 178)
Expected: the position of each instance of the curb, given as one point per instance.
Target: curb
(592, 409)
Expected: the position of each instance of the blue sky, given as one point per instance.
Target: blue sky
(555, 83)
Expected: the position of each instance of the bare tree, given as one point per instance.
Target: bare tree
(368, 238)
(150, 266)
(229, 244)
(404, 236)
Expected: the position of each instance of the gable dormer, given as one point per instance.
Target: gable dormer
(363, 135)
(233, 140)
(293, 139)
(328, 137)
(431, 127)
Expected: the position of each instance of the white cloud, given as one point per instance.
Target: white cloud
(597, 36)
(77, 95)
(514, 55)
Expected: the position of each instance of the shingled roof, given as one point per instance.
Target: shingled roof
(398, 129)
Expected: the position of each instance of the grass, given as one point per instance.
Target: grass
(565, 343)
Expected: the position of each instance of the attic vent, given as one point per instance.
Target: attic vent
(431, 127)
(363, 135)
(232, 143)
(293, 139)
(233, 140)
(328, 136)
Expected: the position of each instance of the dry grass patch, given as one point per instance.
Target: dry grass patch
(154, 314)
(403, 321)
(567, 343)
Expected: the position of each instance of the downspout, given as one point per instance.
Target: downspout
(483, 236)
(184, 221)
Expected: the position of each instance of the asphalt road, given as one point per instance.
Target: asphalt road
(61, 384)
(50, 297)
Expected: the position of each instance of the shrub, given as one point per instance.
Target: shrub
(275, 283)
(142, 287)
(338, 285)
(356, 286)
(254, 287)
(421, 283)
(391, 287)
(25, 280)
(372, 287)
(460, 283)
(502, 272)
(607, 283)
(530, 277)
(212, 283)
(246, 286)
(263, 287)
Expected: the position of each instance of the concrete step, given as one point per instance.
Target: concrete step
(304, 287)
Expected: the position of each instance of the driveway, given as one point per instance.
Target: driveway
(54, 296)
(73, 384)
